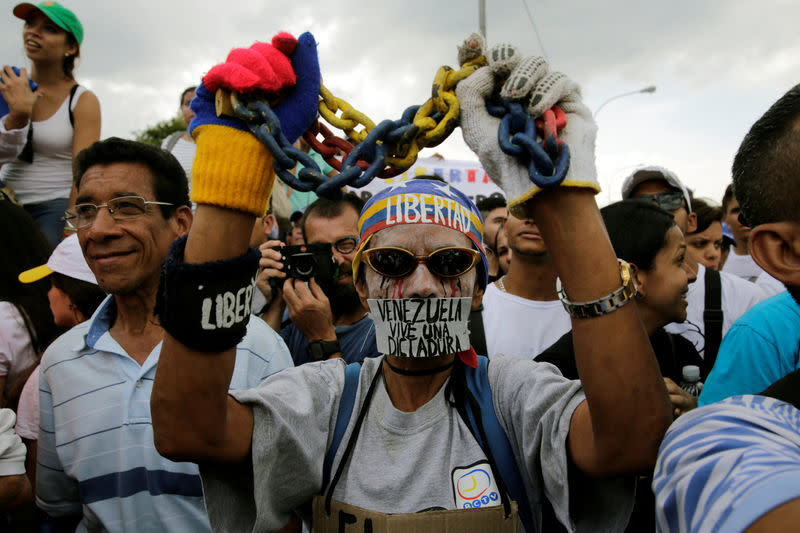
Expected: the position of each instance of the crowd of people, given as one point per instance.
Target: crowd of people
(202, 349)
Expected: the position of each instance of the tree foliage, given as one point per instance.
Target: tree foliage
(160, 130)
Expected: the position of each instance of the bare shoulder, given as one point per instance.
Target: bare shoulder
(88, 103)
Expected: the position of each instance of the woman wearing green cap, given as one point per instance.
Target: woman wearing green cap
(63, 120)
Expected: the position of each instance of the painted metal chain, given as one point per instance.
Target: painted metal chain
(547, 162)
(391, 147)
(382, 150)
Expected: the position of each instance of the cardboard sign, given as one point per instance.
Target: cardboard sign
(421, 327)
(345, 518)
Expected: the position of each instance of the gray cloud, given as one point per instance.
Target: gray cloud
(717, 65)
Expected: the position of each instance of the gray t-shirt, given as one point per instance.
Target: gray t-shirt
(405, 462)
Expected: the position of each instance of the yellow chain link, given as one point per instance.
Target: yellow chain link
(430, 132)
(350, 119)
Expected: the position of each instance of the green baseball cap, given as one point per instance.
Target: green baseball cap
(60, 15)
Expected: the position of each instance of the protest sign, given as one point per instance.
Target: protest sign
(421, 327)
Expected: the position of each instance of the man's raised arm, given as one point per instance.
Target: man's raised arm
(620, 426)
(204, 298)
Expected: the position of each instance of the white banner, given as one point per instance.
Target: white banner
(466, 176)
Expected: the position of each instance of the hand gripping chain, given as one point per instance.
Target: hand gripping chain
(391, 147)
(547, 163)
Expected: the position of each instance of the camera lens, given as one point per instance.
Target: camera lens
(304, 264)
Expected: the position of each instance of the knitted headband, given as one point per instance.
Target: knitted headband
(422, 201)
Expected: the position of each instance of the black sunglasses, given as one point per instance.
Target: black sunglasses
(398, 262)
(668, 201)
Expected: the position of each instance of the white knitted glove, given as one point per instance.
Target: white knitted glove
(529, 82)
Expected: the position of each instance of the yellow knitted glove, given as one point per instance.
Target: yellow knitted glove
(231, 169)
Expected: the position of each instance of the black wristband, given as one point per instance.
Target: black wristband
(322, 350)
(206, 306)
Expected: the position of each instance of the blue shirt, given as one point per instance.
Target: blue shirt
(759, 349)
(96, 452)
(723, 466)
(357, 341)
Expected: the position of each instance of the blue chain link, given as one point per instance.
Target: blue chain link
(266, 126)
(547, 162)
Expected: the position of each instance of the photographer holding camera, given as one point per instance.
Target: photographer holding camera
(326, 316)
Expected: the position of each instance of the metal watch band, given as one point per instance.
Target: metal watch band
(603, 305)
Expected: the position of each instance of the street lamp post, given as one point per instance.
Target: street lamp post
(482, 17)
(650, 89)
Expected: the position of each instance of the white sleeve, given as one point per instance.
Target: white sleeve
(11, 141)
(28, 408)
(12, 451)
(14, 338)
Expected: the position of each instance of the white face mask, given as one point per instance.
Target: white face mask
(421, 327)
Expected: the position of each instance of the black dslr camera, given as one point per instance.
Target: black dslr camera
(306, 261)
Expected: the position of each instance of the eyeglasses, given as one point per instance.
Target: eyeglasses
(345, 245)
(394, 262)
(122, 208)
(668, 201)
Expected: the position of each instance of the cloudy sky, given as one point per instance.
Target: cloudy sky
(717, 65)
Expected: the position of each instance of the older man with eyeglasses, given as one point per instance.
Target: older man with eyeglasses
(97, 461)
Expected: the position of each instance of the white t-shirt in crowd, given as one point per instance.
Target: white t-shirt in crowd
(769, 284)
(738, 295)
(184, 152)
(28, 409)
(518, 326)
(742, 266)
(16, 349)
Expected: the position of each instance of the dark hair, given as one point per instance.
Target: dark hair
(489, 204)
(193, 88)
(325, 208)
(68, 63)
(638, 230)
(82, 294)
(726, 198)
(497, 233)
(169, 178)
(25, 247)
(706, 214)
(765, 167)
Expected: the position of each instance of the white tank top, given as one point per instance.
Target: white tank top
(50, 175)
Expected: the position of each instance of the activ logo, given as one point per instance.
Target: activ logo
(474, 486)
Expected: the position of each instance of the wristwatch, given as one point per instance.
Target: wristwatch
(603, 305)
(321, 350)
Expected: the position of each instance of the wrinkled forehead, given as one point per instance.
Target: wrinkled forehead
(103, 181)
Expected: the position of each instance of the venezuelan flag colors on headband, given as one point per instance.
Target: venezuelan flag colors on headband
(422, 201)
